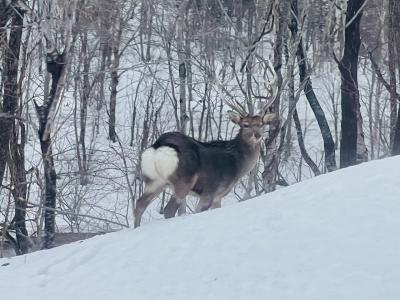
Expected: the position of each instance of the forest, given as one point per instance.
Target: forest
(86, 86)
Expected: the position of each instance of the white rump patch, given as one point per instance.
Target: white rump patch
(148, 163)
(160, 163)
(166, 161)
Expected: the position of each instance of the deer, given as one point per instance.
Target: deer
(208, 170)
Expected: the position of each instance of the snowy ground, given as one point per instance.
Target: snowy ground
(333, 237)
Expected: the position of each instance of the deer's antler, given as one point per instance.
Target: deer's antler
(231, 101)
(236, 106)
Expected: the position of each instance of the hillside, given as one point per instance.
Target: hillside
(332, 237)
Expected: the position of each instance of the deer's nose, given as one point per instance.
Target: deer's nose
(257, 135)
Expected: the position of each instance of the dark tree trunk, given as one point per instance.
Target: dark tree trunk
(396, 143)
(112, 134)
(395, 15)
(396, 138)
(84, 108)
(50, 192)
(113, 105)
(392, 24)
(349, 87)
(302, 146)
(105, 50)
(102, 78)
(299, 131)
(10, 149)
(304, 73)
(55, 66)
(18, 178)
(10, 79)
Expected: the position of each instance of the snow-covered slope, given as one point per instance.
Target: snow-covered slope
(333, 237)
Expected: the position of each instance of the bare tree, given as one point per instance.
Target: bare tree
(394, 60)
(304, 73)
(10, 85)
(12, 136)
(57, 65)
(349, 88)
(271, 158)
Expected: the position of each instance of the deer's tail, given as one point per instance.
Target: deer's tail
(159, 164)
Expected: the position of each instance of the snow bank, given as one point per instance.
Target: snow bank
(333, 237)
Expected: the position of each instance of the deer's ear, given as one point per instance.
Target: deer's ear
(234, 117)
(269, 118)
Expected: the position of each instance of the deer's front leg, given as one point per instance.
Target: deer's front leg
(182, 187)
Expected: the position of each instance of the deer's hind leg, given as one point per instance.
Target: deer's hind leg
(151, 190)
(216, 203)
(181, 189)
(171, 208)
(205, 203)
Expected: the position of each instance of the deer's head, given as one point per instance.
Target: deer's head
(251, 126)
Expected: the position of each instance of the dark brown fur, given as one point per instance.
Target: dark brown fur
(210, 169)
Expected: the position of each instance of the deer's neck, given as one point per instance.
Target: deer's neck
(250, 153)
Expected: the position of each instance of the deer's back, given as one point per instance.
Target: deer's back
(213, 163)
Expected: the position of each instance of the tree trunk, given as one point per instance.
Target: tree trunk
(56, 67)
(113, 86)
(189, 72)
(105, 49)
(84, 103)
(50, 190)
(83, 110)
(18, 179)
(299, 131)
(304, 73)
(143, 22)
(349, 87)
(302, 146)
(362, 150)
(396, 32)
(16, 161)
(271, 157)
(392, 67)
(396, 138)
(10, 78)
(183, 117)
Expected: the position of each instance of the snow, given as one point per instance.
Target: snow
(332, 237)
